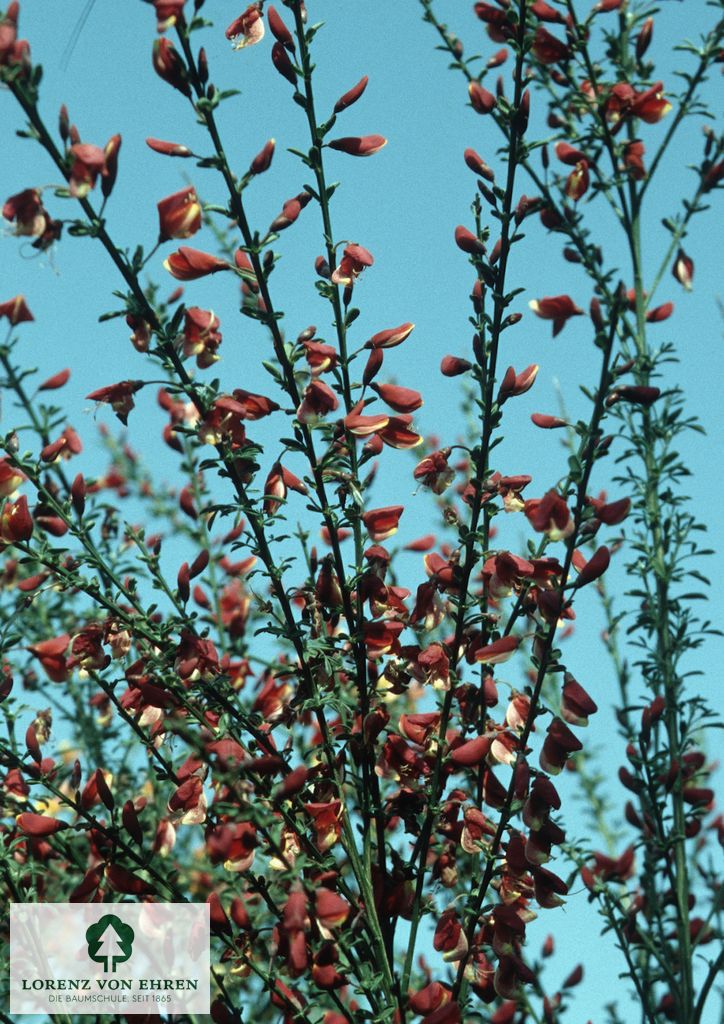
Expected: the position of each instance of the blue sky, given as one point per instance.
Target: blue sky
(403, 204)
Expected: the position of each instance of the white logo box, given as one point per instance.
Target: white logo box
(92, 958)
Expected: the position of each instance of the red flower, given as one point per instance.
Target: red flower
(559, 744)
(613, 513)
(397, 434)
(578, 181)
(569, 154)
(434, 472)
(364, 145)
(119, 396)
(126, 882)
(330, 909)
(651, 106)
(196, 658)
(8, 31)
(623, 101)
(67, 445)
(179, 215)
(545, 12)
(364, 426)
(222, 423)
(320, 357)
(576, 705)
(88, 162)
(10, 478)
(279, 481)
(318, 399)
(435, 663)
(633, 158)
(201, 336)
(13, 51)
(354, 260)
(548, 49)
(420, 729)
(168, 13)
(498, 651)
(449, 938)
(16, 311)
(16, 523)
(550, 515)
(558, 308)
(472, 753)
(606, 869)
(189, 264)
(382, 523)
(39, 825)
(594, 568)
(326, 587)
(26, 210)
(253, 406)
(247, 29)
(499, 26)
(51, 655)
(430, 998)
(325, 818)
(381, 636)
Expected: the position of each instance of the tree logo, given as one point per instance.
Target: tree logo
(110, 942)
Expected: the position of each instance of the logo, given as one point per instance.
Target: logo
(110, 942)
(120, 959)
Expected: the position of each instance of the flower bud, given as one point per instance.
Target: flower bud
(482, 101)
(351, 96)
(110, 169)
(77, 494)
(453, 366)
(169, 66)
(643, 39)
(365, 145)
(683, 269)
(281, 62)
(63, 123)
(58, 380)
(374, 365)
(476, 164)
(280, 30)
(262, 161)
(468, 242)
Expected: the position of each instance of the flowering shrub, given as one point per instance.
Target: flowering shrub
(315, 739)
